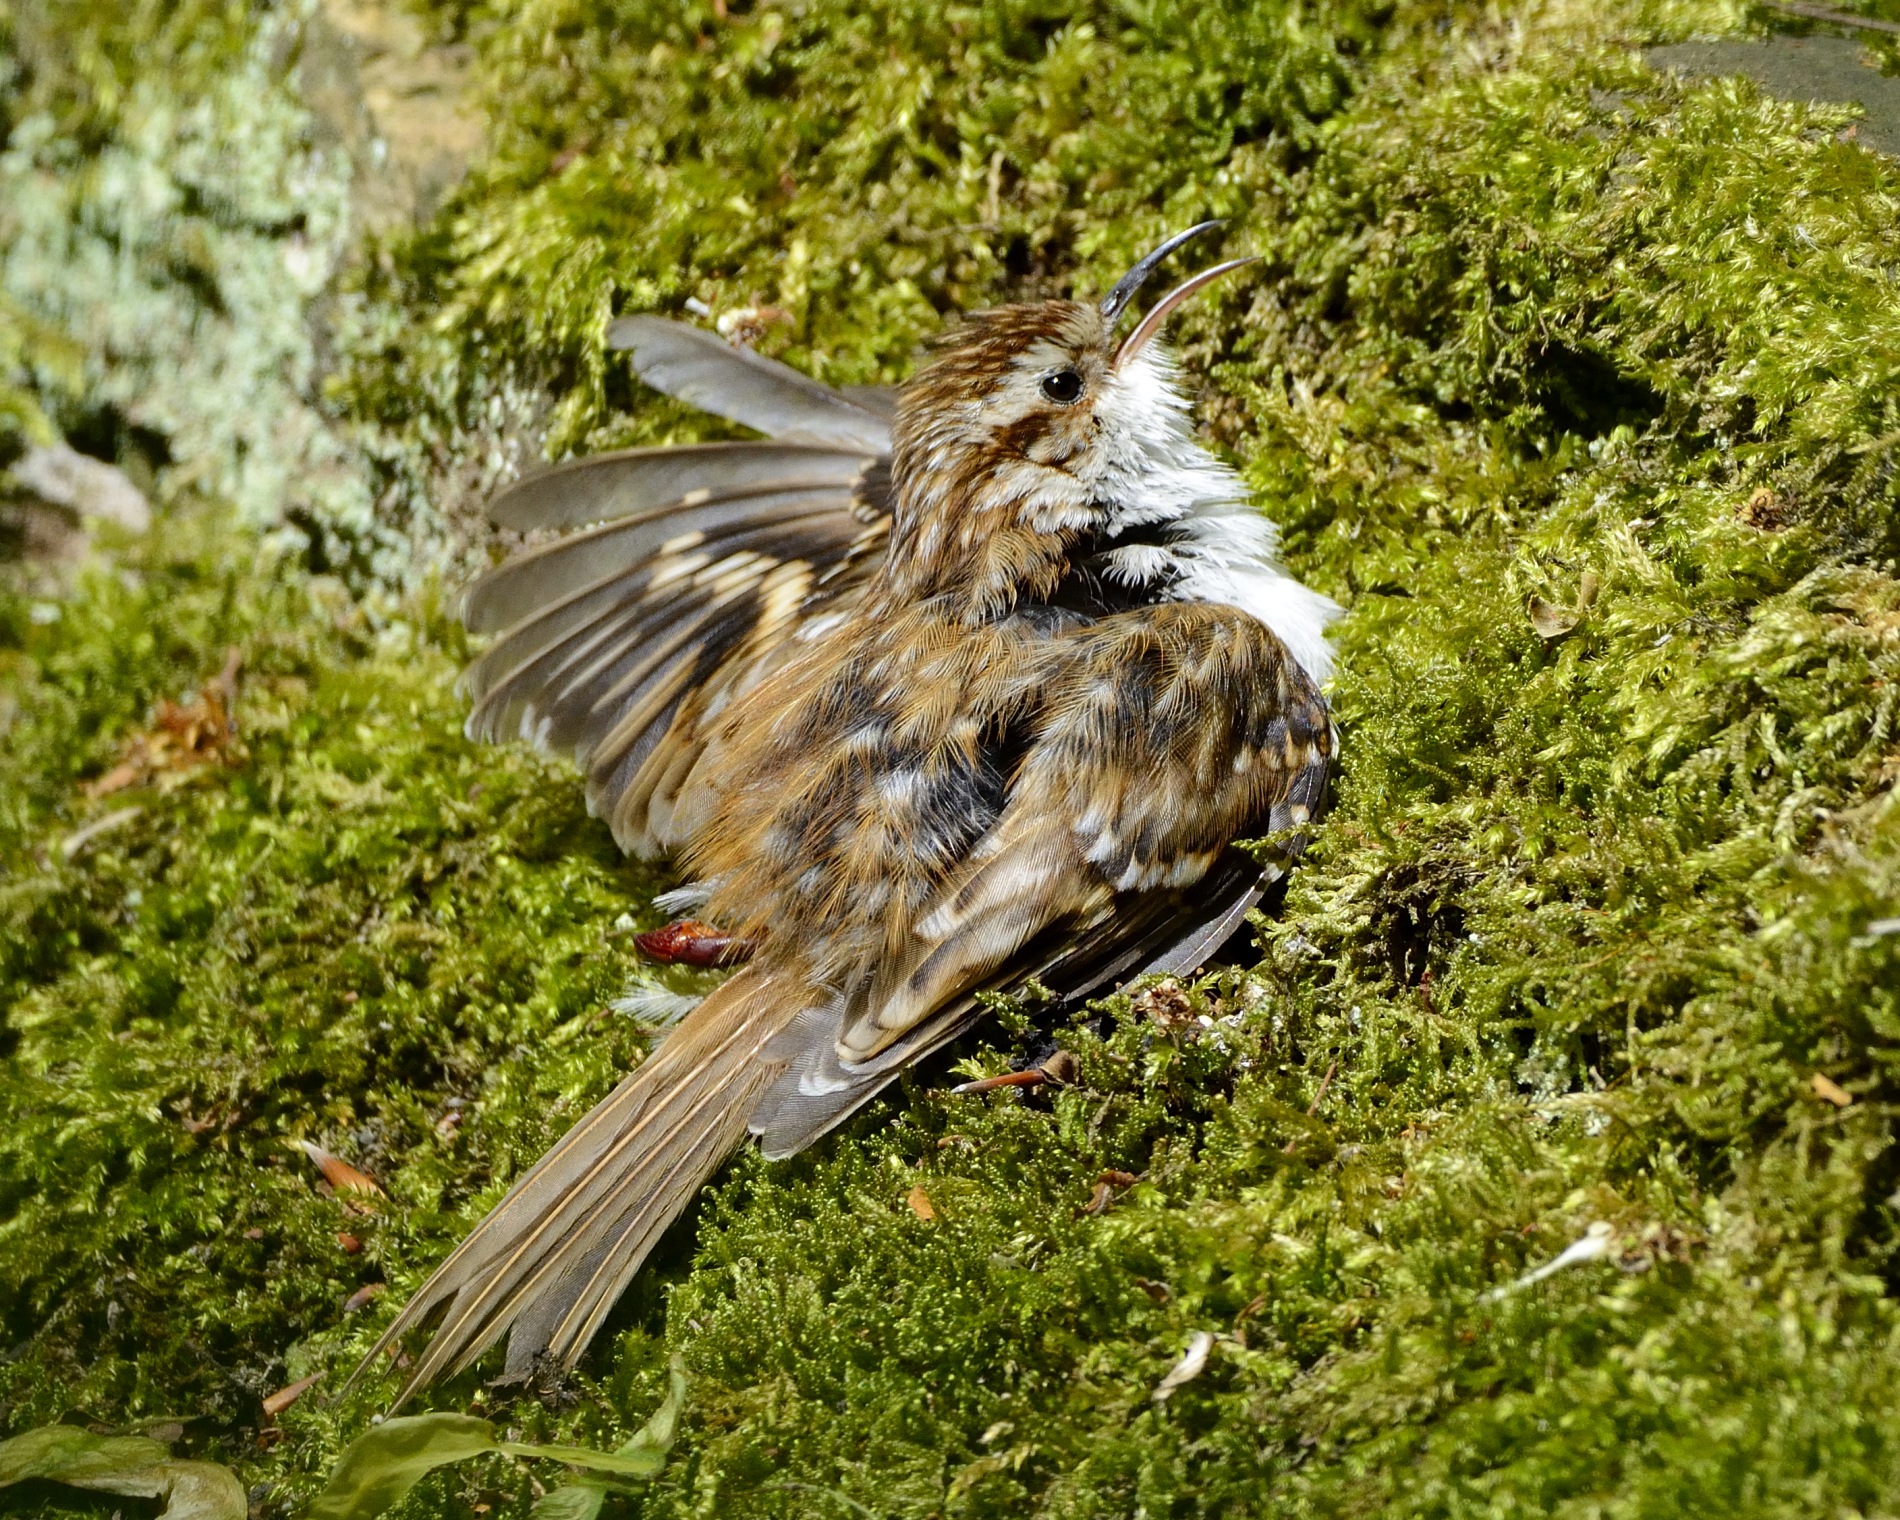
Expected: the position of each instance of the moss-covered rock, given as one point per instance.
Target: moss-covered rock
(1573, 380)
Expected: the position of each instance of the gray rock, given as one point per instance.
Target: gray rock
(63, 477)
(1828, 70)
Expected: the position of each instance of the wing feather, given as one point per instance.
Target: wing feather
(701, 368)
(672, 540)
(631, 482)
(566, 662)
(1086, 878)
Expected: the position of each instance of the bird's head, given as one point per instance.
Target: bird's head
(1032, 430)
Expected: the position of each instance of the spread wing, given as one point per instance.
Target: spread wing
(703, 565)
(702, 368)
(1176, 730)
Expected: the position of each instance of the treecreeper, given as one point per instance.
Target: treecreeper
(929, 693)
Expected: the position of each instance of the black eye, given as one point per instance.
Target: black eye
(1064, 385)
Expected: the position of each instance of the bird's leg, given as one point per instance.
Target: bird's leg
(690, 942)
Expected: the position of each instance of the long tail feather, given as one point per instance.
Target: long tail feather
(548, 1262)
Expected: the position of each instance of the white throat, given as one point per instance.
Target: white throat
(1217, 547)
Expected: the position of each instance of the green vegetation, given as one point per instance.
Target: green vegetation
(1576, 383)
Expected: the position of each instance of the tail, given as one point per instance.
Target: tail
(551, 1258)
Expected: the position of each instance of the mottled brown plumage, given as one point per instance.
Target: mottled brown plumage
(920, 720)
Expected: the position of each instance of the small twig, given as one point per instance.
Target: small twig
(226, 684)
(1060, 1068)
(1324, 1083)
(1009, 1079)
(76, 841)
(1311, 1108)
(1810, 11)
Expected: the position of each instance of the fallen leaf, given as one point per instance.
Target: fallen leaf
(1552, 622)
(339, 1173)
(1062, 1068)
(1191, 1365)
(1106, 1186)
(284, 1397)
(128, 1465)
(389, 1459)
(1828, 1088)
(920, 1205)
(182, 738)
(362, 1297)
(581, 1499)
(351, 1245)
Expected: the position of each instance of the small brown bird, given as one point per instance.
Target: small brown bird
(928, 699)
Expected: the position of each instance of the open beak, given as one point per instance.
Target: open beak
(1137, 340)
(1116, 301)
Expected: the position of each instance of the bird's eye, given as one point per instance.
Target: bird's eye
(1064, 385)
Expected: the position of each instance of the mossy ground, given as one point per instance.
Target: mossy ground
(1536, 330)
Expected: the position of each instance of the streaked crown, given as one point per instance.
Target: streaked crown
(1023, 437)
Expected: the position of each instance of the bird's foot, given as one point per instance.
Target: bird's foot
(689, 942)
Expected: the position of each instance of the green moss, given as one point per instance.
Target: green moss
(1599, 899)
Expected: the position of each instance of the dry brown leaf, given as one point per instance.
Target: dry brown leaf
(181, 740)
(362, 1297)
(1167, 1003)
(1552, 622)
(284, 1397)
(1106, 1187)
(340, 1174)
(1765, 510)
(920, 1204)
(1062, 1068)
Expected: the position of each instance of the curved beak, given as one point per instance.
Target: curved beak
(1116, 301)
(1137, 340)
